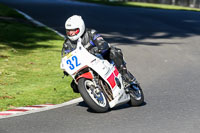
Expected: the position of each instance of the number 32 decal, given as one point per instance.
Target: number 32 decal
(74, 63)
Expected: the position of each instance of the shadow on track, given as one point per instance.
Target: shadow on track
(123, 106)
(24, 36)
(131, 26)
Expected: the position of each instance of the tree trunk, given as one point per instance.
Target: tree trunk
(173, 2)
(194, 3)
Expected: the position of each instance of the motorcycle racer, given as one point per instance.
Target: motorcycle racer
(95, 44)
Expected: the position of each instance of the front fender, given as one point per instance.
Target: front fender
(86, 75)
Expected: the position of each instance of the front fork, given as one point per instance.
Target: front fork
(95, 82)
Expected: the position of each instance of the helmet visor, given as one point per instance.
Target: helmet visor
(72, 32)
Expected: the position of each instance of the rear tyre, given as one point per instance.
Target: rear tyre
(94, 98)
(137, 96)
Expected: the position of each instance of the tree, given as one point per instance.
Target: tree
(173, 2)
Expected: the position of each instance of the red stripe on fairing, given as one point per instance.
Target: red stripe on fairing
(5, 113)
(87, 75)
(116, 72)
(111, 80)
(22, 110)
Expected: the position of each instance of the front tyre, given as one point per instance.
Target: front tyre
(137, 96)
(94, 98)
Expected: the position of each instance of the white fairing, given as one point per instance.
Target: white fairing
(81, 58)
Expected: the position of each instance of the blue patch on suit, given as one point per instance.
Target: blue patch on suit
(91, 42)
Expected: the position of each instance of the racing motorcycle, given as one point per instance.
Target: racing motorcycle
(100, 84)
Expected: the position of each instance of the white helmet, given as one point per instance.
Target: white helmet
(75, 22)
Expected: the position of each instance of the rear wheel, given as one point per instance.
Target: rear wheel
(94, 97)
(137, 96)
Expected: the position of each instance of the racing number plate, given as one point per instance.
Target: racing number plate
(72, 61)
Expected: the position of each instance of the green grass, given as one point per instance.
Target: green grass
(144, 5)
(30, 65)
(9, 12)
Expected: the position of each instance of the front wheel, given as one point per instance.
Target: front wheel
(137, 96)
(94, 97)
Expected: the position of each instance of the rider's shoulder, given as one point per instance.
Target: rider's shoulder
(91, 31)
(66, 40)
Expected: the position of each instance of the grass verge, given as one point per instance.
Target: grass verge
(143, 5)
(30, 64)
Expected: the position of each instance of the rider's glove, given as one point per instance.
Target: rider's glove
(65, 73)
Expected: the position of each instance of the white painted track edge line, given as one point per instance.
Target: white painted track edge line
(38, 23)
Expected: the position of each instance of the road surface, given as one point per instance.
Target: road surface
(162, 50)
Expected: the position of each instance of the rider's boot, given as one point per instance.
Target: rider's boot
(128, 77)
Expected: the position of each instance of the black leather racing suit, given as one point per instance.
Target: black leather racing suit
(94, 43)
(91, 40)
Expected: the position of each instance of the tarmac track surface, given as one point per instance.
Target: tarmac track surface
(162, 50)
